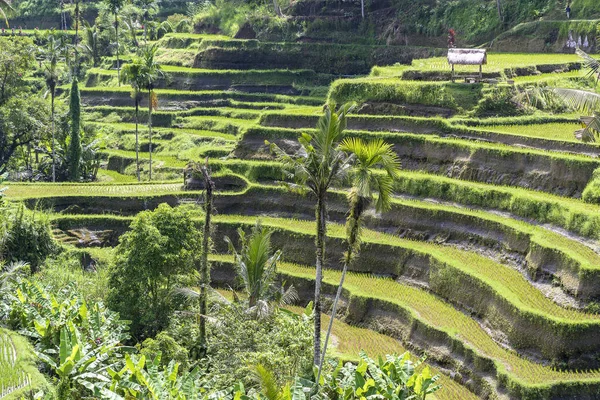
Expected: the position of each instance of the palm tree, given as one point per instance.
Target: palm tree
(52, 73)
(133, 75)
(76, 38)
(5, 5)
(376, 165)
(151, 72)
(114, 6)
(148, 8)
(91, 47)
(256, 266)
(585, 101)
(319, 164)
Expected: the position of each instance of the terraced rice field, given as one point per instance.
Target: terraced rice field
(488, 261)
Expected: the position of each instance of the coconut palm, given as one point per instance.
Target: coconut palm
(52, 73)
(4, 7)
(256, 266)
(133, 75)
(319, 164)
(91, 46)
(151, 72)
(114, 6)
(585, 101)
(148, 8)
(376, 165)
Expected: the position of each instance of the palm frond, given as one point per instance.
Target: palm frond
(583, 100)
(590, 62)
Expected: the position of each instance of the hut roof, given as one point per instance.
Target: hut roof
(467, 56)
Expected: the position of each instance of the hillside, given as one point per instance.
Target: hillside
(167, 186)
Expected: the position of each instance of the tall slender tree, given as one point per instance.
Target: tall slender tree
(133, 75)
(52, 73)
(375, 166)
(114, 6)
(76, 39)
(151, 72)
(204, 266)
(74, 157)
(319, 164)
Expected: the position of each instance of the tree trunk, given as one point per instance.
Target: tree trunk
(321, 212)
(277, 8)
(53, 134)
(137, 142)
(117, 40)
(362, 8)
(355, 216)
(204, 266)
(499, 8)
(76, 37)
(150, 130)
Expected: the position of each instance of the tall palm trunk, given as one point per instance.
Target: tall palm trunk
(53, 134)
(321, 212)
(204, 267)
(355, 214)
(117, 41)
(137, 142)
(76, 37)
(150, 129)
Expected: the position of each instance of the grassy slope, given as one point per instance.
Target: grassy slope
(22, 369)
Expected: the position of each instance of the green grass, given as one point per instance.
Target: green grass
(105, 175)
(19, 191)
(18, 372)
(251, 76)
(204, 95)
(496, 62)
(553, 131)
(549, 77)
(125, 127)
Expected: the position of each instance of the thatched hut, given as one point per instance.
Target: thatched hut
(467, 57)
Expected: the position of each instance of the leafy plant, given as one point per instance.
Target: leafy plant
(392, 378)
(256, 265)
(152, 259)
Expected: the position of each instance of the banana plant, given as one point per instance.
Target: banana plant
(79, 363)
(139, 379)
(391, 378)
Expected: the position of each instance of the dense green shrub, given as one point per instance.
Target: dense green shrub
(237, 341)
(499, 101)
(28, 236)
(152, 259)
(394, 91)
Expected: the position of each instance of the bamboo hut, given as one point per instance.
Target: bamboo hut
(467, 57)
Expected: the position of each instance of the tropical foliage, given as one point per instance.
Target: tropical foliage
(256, 266)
